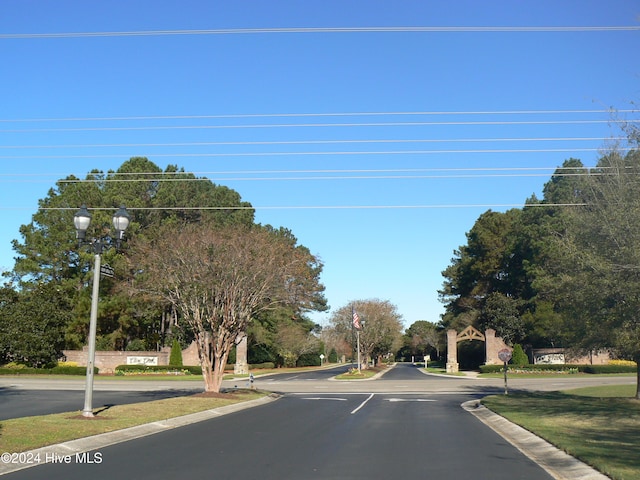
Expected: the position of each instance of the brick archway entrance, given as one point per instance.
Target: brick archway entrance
(493, 345)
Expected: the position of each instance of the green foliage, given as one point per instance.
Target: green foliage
(175, 357)
(609, 369)
(136, 345)
(552, 275)
(423, 338)
(518, 357)
(61, 370)
(333, 356)
(561, 368)
(32, 323)
(48, 252)
(309, 360)
(263, 365)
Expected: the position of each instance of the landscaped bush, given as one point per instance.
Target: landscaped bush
(559, 368)
(60, 370)
(70, 370)
(333, 356)
(175, 357)
(309, 360)
(519, 358)
(263, 365)
(610, 369)
(629, 363)
(157, 370)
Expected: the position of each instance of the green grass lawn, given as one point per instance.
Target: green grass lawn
(598, 425)
(28, 433)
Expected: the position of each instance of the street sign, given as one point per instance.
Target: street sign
(504, 355)
(107, 271)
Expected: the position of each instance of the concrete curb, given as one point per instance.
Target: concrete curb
(72, 448)
(557, 463)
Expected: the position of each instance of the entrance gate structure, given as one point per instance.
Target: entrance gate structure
(493, 345)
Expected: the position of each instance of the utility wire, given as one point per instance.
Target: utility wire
(317, 142)
(330, 153)
(318, 125)
(362, 174)
(317, 114)
(390, 29)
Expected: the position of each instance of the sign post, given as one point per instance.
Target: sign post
(505, 356)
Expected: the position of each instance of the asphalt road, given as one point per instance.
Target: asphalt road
(16, 403)
(309, 436)
(404, 424)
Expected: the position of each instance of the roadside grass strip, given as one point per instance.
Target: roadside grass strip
(28, 433)
(598, 425)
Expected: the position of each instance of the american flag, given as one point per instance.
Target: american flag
(356, 320)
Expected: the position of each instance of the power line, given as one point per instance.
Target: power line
(317, 142)
(390, 29)
(316, 114)
(318, 125)
(338, 174)
(329, 153)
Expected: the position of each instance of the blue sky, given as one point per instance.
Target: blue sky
(379, 149)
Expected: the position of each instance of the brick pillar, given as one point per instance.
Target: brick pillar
(241, 366)
(452, 351)
(494, 345)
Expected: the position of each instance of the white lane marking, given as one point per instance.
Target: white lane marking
(324, 398)
(410, 400)
(363, 404)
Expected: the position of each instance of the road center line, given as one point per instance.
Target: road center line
(363, 404)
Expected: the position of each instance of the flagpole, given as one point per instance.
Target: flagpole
(358, 343)
(355, 323)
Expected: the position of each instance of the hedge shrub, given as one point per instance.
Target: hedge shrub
(62, 370)
(560, 368)
(157, 370)
(309, 360)
(519, 358)
(610, 369)
(263, 365)
(175, 357)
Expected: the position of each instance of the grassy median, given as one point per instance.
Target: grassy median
(598, 425)
(23, 434)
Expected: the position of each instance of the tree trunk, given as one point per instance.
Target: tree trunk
(204, 354)
(637, 359)
(209, 379)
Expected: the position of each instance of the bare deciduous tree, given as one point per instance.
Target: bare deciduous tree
(381, 331)
(218, 279)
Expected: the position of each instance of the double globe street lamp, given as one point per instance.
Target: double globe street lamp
(82, 220)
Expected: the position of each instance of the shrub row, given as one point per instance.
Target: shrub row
(157, 370)
(561, 368)
(62, 370)
(174, 369)
(610, 369)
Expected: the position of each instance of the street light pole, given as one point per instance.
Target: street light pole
(87, 411)
(81, 220)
